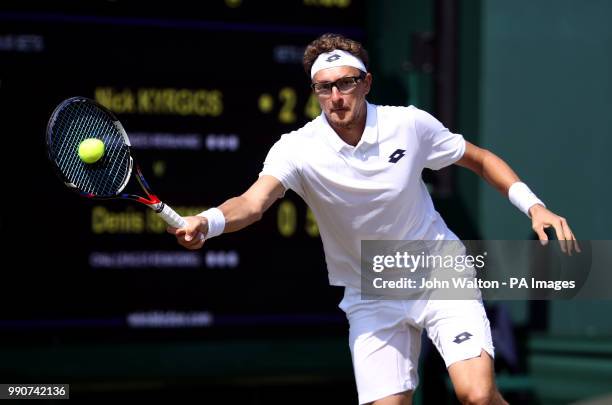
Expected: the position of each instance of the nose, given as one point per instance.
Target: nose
(336, 96)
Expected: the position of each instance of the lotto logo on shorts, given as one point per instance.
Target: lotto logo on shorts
(462, 337)
(397, 155)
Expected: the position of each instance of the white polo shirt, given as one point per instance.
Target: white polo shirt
(370, 191)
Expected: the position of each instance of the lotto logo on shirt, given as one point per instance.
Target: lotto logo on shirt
(397, 155)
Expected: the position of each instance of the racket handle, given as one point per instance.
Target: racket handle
(173, 219)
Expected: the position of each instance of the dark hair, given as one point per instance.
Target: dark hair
(329, 42)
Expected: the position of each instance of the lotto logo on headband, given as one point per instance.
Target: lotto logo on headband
(335, 58)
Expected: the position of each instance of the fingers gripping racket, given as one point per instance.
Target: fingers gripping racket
(77, 119)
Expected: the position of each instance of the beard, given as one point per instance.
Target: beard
(342, 119)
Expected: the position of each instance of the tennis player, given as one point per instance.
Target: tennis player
(358, 167)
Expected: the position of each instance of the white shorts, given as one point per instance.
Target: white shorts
(385, 339)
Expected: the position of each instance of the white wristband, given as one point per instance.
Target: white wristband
(522, 197)
(216, 222)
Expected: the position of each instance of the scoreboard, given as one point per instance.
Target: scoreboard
(203, 92)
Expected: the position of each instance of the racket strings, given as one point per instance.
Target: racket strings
(80, 176)
(80, 123)
(117, 155)
(76, 122)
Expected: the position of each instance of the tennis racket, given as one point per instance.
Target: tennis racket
(79, 118)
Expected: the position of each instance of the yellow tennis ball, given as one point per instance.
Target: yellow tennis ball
(91, 150)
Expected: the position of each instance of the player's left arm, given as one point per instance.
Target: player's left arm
(501, 176)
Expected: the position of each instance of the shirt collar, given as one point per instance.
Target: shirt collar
(369, 136)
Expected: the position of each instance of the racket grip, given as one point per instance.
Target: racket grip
(171, 217)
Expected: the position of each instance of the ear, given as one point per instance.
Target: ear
(368, 82)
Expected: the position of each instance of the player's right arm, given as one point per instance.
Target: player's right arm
(239, 212)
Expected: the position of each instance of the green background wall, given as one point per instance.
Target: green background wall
(535, 87)
(546, 106)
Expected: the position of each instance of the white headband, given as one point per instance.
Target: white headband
(335, 58)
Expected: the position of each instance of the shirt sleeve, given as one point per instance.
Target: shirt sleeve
(281, 163)
(442, 147)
